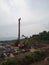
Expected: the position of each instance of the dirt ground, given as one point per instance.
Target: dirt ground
(41, 63)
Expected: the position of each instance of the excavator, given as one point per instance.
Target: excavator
(24, 45)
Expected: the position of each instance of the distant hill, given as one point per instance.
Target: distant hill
(7, 38)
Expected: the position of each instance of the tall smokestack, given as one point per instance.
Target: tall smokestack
(19, 29)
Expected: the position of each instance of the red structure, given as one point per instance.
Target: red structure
(17, 43)
(19, 29)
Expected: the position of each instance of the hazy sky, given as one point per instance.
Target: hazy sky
(34, 17)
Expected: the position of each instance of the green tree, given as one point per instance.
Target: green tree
(43, 35)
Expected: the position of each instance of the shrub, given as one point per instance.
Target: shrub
(48, 59)
(27, 59)
(37, 55)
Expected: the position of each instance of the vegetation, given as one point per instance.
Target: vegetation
(27, 59)
(44, 35)
(48, 59)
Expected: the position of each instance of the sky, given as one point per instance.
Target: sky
(34, 17)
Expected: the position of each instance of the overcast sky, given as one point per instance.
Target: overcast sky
(34, 17)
